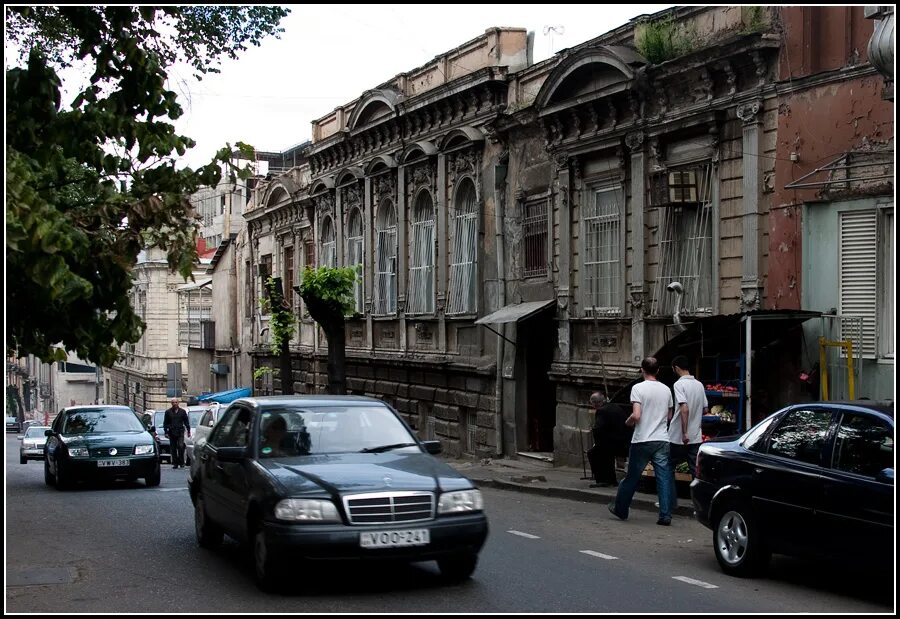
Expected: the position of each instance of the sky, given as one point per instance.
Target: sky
(328, 55)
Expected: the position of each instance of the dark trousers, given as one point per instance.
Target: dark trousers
(176, 441)
(602, 458)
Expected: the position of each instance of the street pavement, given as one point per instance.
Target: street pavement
(539, 477)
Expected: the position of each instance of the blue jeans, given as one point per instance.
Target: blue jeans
(639, 455)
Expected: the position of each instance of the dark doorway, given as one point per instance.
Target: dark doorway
(537, 338)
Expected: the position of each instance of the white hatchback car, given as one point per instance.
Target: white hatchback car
(203, 426)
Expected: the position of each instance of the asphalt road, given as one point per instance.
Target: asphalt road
(130, 549)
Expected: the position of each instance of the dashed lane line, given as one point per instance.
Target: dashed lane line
(698, 583)
(599, 555)
(528, 535)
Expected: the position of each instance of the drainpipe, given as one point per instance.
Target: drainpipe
(500, 171)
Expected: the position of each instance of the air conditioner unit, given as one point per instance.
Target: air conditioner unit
(219, 368)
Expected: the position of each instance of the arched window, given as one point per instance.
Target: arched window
(355, 255)
(327, 241)
(386, 259)
(462, 294)
(421, 268)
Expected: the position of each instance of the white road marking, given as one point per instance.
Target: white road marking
(600, 555)
(699, 583)
(528, 535)
(171, 489)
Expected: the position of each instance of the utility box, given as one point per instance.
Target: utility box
(219, 368)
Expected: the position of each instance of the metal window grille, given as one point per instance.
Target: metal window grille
(430, 433)
(602, 250)
(886, 284)
(685, 251)
(249, 288)
(470, 418)
(421, 268)
(265, 270)
(386, 260)
(289, 275)
(536, 238)
(329, 245)
(355, 249)
(463, 280)
(858, 276)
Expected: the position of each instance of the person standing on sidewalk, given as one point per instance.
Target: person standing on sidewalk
(611, 439)
(175, 424)
(651, 405)
(684, 427)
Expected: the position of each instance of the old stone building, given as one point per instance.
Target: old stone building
(527, 233)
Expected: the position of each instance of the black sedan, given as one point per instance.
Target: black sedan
(100, 442)
(303, 478)
(813, 479)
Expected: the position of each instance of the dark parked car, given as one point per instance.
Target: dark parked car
(99, 442)
(331, 477)
(813, 479)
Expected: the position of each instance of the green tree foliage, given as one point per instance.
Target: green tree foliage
(282, 324)
(328, 294)
(91, 183)
(663, 39)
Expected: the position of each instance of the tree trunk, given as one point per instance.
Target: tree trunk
(337, 365)
(287, 372)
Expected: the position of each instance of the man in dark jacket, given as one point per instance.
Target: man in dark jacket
(611, 438)
(175, 424)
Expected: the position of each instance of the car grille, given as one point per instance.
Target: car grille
(103, 452)
(387, 507)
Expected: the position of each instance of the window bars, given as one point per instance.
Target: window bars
(386, 260)
(329, 246)
(685, 249)
(421, 268)
(536, 238)
(355, 250)
(602, 243)
(463, 281)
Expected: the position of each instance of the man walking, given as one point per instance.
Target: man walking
(684, 427)
(651, 406)
(611, 439)
(175, 424)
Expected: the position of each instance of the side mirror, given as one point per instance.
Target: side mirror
(432, 447)
(885, 476)
(231, 454)
(48, 432)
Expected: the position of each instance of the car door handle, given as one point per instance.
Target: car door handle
(204, 457)
(757, 470)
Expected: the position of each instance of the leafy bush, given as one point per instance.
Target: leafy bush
(662, 40)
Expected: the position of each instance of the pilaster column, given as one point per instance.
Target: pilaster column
(636, 292)
(752, 136)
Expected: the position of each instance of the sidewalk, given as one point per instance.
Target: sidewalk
(535, 476)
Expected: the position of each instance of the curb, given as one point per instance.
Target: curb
(578, 495)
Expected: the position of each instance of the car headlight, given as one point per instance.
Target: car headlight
(141, 450)
(462, 501)
(307, 510)
(78, 452)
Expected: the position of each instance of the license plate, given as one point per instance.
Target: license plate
(112, 462)
(394, 539)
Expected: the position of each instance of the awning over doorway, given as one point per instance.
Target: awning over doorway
(514, 312)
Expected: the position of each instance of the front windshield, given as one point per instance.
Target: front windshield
(35, 431)
(286, 432)
(87, 421)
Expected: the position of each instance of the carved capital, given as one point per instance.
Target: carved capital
(748, 112)
(634, 140)
(562, 161)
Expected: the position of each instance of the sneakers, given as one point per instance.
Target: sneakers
(663, 522)
(612, 510)
(604, 484)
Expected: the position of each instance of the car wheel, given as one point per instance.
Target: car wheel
(152, 480)
(23, 459)
(48, 478)
(738, 543)
(459, 567)
(268, 574)
(208, 533)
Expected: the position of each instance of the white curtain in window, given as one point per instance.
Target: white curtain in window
(329, 246)
(386, 259)
(355, 249)
(603, 279)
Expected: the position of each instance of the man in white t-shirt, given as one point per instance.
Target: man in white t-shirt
(651, 408)
(690, 406)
